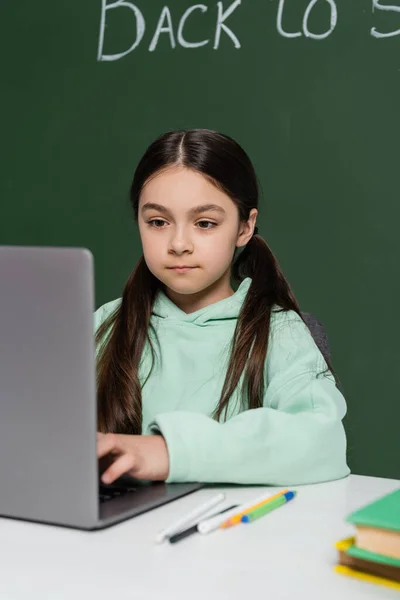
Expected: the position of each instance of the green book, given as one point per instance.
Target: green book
(384, 513)
(372, 556)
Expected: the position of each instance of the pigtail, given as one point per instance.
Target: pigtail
(268, 288)
(119, 395)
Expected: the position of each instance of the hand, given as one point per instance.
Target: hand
(140, 456)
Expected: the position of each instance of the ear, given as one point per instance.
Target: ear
(246, 229)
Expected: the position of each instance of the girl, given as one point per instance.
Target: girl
(196, 381)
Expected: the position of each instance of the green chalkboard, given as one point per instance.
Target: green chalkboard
(310, 88)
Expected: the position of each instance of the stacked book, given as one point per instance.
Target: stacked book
(373, 554)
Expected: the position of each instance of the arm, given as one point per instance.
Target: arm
(296, 437)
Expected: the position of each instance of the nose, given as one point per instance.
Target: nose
(180, 243)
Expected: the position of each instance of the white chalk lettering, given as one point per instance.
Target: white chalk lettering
(320, 36)
(223, 10)
(181, 40)
(140, 28)
(222, 16)
(165, 14)
(306, 31)
(279, 23)
(377, 6)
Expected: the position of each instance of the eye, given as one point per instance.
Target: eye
(206, 223)
(156, 223)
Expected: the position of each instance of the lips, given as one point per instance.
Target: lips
(182, 269)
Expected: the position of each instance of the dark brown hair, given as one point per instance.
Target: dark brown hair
(122, 337)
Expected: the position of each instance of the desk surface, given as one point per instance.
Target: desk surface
(287, 553)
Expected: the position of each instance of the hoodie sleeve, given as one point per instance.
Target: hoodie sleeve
(297, 437)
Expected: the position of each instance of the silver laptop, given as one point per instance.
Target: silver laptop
(49, 471)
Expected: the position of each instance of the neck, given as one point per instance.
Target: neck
(190, 303)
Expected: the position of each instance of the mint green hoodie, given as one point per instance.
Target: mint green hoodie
(296, 437)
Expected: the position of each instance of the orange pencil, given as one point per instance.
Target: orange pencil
(237, 518)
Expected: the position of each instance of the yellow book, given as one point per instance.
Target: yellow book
(365, 577)
(365, 570)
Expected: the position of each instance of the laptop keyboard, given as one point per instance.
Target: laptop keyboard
(115, 491)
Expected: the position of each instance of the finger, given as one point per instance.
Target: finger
(107, 444)
(120, 466)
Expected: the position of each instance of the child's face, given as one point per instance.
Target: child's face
(173, 235)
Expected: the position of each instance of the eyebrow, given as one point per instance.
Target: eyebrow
(194, 211)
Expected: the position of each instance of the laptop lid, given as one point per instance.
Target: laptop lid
(47, 386)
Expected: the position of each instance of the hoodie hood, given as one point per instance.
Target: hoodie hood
(229, 308)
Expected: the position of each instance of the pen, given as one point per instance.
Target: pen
(194, 529)
(238, 517)
(189, 518)
(266, 508)
(209, 525)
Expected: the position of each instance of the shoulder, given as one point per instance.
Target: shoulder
(105, 311)
(284, 322)
(292, 342)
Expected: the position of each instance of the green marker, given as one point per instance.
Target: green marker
(268, 507)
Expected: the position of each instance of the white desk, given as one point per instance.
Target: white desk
(288, 553)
